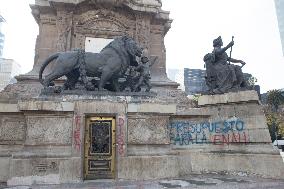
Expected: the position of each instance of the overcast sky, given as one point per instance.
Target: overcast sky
(196, 23)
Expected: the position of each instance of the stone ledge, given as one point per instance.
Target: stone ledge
(233, 97)
(233, 148)
(144, 150)
(46, 105)
(196, 112)
(9, 108)
(30, 180)
(151, 108)
(137, 5)
(261, 165)
(149, 167)
(4, 165)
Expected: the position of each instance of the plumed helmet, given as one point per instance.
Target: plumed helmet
(217, 41)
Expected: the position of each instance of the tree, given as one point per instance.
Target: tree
(274, 116)
(251, 81)
(275, 98)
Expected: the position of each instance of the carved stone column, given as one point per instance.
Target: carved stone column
(143, 30)
(64, 25)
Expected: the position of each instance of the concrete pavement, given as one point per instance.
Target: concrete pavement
(205, 181)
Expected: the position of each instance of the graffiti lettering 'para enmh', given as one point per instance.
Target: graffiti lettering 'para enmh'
(217, 132)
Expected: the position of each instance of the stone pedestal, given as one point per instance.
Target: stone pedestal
(157, 137)
(38, 143)
(239, 137)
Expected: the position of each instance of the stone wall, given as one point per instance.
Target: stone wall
(42, 140)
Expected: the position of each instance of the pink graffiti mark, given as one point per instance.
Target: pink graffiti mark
(77, 133)
(140, 185)
(221, 139)
(120, 137)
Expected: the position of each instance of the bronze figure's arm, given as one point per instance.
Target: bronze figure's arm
(236, 61)
(223, 50)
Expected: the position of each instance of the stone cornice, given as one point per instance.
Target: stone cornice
(144, 6)
(149, 6)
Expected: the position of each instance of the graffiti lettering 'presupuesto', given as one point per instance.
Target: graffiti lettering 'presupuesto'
(218, 132)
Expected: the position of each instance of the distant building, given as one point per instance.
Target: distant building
(194, 81)
(279, 5)
(8, 70)
(177, 76)
(2, 37)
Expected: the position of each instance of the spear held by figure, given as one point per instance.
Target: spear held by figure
(231, 59)
(231, 50)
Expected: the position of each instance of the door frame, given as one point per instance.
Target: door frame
(88, 119)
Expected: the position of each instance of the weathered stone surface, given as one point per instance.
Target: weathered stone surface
(151, 108)
(148, 167)
(30, 180)
(45, 166)
(264, 165)
(49, 129)
(9, 107)
(34, 166)
(184, 164)
(36, 170)
(6, 150)
(148, 130)
(50, 151)
(18, 90)
(33, 105)
(70, 170)
(12, 128)
(139, 5)
(138, 150)
(196, 112)
(100, 107)
(255, 122)
(4, 168)
(237, 97)
(241, 148)
(245, 110)
(259, 135)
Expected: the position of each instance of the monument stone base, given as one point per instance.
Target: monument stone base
(43, 139)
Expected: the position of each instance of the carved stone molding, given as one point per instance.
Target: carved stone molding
(47, 19)
(12, 129)
(51, 129)
(143, 30)
(64, 24)
(138, 5)
(148, 130)
(102, 23)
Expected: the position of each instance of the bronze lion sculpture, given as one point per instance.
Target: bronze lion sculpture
(108, 65)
